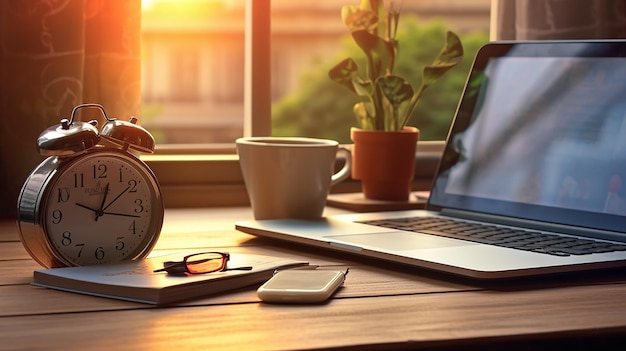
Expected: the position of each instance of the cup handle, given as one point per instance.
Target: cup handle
(344, 172)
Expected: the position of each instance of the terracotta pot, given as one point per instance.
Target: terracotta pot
(384, 162)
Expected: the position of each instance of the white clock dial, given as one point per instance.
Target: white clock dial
(102, 208)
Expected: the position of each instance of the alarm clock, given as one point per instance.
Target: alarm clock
(89, 203)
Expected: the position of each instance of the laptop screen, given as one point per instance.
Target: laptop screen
(540, 134)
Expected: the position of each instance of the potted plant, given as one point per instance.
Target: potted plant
(384, 146)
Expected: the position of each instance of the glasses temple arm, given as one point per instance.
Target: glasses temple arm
(170, 265)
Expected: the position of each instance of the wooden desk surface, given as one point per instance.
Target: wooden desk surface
(382, 306)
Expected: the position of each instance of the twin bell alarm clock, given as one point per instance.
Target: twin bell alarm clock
(89, 203)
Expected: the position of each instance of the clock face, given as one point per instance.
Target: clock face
(103, 207)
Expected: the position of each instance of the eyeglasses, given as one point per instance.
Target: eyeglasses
(200, 263)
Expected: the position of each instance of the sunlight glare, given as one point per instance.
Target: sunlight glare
(184, 6)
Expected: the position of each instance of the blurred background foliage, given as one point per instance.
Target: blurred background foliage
(322, 108)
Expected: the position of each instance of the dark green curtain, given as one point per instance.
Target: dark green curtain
(53, 56)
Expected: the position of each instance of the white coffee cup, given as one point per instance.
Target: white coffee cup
(288, 177)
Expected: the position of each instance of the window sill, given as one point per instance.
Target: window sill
(210, 177)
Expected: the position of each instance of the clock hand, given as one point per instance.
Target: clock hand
(95, 210)
(102, 213)
(121, 214)
(117, 197)
(104, 199)
(87, 207)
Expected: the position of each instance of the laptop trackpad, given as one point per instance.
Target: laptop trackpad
(398, 241)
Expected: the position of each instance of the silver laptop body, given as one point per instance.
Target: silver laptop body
(536, 155)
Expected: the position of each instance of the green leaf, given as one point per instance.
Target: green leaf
(397, 92)
(364, 119)
(369, 16)
(367, 25)
(377, 7)
(450, 56)
(368, 103)
(379, 53)
(356, 19)
(344, 73)
(396, 89)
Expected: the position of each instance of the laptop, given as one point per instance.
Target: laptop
(531, 181)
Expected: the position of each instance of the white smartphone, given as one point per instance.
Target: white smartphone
(301, 286)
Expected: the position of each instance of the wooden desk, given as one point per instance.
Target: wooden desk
(383, 306)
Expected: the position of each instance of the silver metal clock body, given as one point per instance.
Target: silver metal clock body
(101, 206)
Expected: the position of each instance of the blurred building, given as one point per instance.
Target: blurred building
(193, 57)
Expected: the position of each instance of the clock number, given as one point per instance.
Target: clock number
(132, 228)
(63, 195)
(67, 239)
(79, 180)
(80, 249)
(99, 253)
(57, 215)
(119, 243)
(139, 208)
(99, 171)
(132, 184)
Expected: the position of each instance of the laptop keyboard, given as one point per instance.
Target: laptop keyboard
(527, 240)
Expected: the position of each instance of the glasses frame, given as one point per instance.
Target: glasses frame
(182, 267)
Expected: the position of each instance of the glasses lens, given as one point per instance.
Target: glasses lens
(206, 263)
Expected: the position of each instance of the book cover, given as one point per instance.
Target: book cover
(136, 281)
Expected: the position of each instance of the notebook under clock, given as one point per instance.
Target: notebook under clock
(531, 179)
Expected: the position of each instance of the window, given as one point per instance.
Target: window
(193, 59)
(194, 81)
(193, 70)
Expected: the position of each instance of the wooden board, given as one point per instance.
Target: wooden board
(358, 203)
